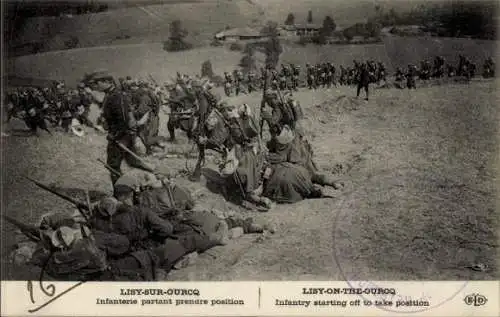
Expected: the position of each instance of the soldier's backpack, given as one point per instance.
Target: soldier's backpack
(82, 261)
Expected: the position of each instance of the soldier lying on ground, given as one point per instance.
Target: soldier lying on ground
(69, 249)
(176, 204)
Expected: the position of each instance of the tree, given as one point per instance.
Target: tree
(273, 48)
(206, 69)
(329, 26)
(349, 33)
(290, 19)
(271, 29)
(176, 40)
(373, 29)
(310, 17)
(248, 62)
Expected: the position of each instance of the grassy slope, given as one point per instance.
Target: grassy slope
(422, 171)
(142, 23)
(147, 22)
(141, 60)
(420, 200)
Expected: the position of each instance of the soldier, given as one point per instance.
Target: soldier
(489, 68)
(283, 112)
(35, 110)
(399, 77)
(147, 107)
(148, 232)
(410, 76)
(450, 70)
(381, 73)
(228, 83)
(250, 81)
(296, 76)
(363, 79)
(122, 125)
(288, 147)
(238, 79)
(311, 81)
(83, 102)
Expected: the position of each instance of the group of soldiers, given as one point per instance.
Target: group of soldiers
(56, 105)
(151, 224)
(326, 75)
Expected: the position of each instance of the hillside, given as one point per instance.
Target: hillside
(419, 203)
(139, 24)
(141, 60)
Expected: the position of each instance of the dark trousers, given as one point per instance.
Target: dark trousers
(362, 85)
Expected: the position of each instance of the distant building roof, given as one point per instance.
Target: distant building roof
(303, 26)
(246, 31)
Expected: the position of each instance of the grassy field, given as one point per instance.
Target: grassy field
(143, 59)
(139, 24)
(420, 169)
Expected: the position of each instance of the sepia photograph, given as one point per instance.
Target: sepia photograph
(250, 140)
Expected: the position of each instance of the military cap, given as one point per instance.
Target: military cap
(120, 190)
(271, 94)
(63, 237)
(108, 206)
(286, 136)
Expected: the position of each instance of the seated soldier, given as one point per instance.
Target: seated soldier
(244, 158)
(287, 147)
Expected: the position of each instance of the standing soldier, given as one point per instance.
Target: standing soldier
(122, 125)
(250, 81)
(296, 76)
(310, 76)
(363, 79)
(489, 68)
(410, 76)
(238, 78)
(228, 83)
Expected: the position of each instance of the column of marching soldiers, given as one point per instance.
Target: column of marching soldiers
(151, 224)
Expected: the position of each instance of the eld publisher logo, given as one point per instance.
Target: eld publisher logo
(475, 299)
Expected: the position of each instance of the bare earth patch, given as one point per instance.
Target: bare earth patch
(420, 169)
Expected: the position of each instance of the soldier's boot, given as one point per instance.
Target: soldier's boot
(326, 180)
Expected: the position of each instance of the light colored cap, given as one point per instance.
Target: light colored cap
(286, 136)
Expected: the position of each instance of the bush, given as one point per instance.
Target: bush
(72, 42)
(236, 47)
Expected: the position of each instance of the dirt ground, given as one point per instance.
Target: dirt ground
(420, 171)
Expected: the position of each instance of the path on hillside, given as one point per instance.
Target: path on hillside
(418, 202)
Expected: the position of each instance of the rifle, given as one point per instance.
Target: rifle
(263, 102)
(79, 205)
(32, 232)
(109, 168)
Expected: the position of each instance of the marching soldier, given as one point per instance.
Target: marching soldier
(122, 124)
